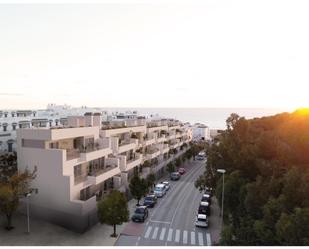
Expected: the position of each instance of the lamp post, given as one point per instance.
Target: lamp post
(222, 171)
(27, 195)
(28, 214)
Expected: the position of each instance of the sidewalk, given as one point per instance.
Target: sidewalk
(46, 234)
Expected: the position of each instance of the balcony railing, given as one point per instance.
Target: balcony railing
(97, 172)
(80, 178)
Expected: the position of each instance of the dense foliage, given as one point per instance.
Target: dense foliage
(267, 179)
(138, 187)
(113, 210)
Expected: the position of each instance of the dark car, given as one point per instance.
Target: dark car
(207, 198)
(150, 200)
(175, 176)
(182, 171)
(140, 214)
(204, 208)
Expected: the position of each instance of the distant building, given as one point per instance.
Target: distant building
(201, 132)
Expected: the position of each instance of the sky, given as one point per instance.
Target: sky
(155, 54)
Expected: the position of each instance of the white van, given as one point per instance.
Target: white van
(160, 190)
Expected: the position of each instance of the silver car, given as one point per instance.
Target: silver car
(201, 220)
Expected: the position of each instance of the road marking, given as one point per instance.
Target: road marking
(200, 239)
(159, 221)
(155, 233)
(192, 238)
(170, 233)
(185, 237)
(148, 232)
(177, 235)
(208, 239)
(162, 233)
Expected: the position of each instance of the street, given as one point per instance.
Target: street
(171, 221)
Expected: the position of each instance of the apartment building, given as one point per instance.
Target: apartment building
(201, 132)
(52, 116)
(79, 163)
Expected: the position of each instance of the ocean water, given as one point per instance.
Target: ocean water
(213, 117)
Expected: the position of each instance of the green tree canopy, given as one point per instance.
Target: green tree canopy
(113, 210)
(267, 179)
(138, 187)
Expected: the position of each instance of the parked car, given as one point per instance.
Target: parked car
(208, 191)
(160, 190)
(150, 200)
(204, 208)
(200, 156)
(182, 171)
(201, 220)
(167, 185)
(140, 214)
(175, 176)
(207, 198)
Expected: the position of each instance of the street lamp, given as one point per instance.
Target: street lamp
(27, 195)
(28, 215)
(222, 171)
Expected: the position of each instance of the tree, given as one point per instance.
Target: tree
(178, 162)
(170, 167)
(113, 210)
(11, 190)
(151, 179)
(138, 187)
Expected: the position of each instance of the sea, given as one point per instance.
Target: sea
(214, 118)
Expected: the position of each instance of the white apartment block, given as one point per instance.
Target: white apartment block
(201, 132)
(53, 116)
(79, 163)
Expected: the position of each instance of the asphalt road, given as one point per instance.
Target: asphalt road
(171, 221)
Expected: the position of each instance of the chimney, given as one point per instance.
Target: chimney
(88, 119)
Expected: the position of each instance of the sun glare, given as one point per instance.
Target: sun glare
(302, 111)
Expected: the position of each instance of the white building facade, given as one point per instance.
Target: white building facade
(79, 163)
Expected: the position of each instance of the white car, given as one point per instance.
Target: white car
(167, 185)
(160, 190)
(201, 220)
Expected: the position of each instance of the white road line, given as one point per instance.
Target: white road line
(208, 239)
(162, 233)
(159, 221)
(148, 231)
(192, 238)
(155, 233)
(170, 233)
(185, 237)
(200, 239)
(177, 235)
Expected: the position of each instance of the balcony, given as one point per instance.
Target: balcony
(149, 141)
(127, 145)
(130, 164)
(152, 153)
(97, 176)
(165, 148)
(161, 139)
(87, 154)
(92, 154)
(79, 179)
